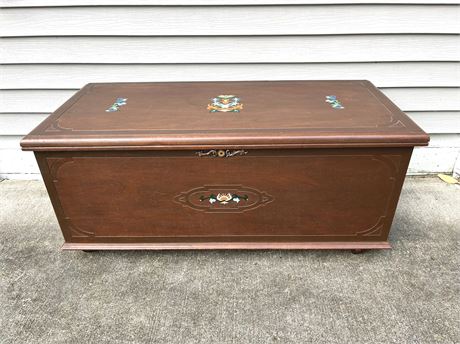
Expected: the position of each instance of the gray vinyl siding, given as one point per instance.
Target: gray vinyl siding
(409, 49)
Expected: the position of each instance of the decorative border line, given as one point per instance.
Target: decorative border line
(56, 127)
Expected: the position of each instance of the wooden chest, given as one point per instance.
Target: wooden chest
(288, 164)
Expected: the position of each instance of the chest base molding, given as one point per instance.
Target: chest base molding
(229, 246)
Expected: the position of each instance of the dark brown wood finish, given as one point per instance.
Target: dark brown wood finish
(289, 171)
(291, 114)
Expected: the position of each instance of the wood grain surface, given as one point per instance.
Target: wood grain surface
(277, 114)
(135, 197)
(166, 168)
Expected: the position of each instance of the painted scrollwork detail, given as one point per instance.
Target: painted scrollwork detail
(119, 102)
(335, 103)
(223, 198)
(221, 153)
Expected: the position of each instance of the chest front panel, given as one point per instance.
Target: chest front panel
(253, 195)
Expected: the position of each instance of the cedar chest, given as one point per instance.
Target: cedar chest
(210, 165)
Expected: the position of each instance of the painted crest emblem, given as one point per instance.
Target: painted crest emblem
(225, 103)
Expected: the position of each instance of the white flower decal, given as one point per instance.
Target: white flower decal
(224, 198)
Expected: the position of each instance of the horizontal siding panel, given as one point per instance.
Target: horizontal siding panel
(16, 161)
(13, 161)
(45, 3)
(21, 176)
(258, 49)
(33, 100)
(437, 122)
(440, 156)
(408, 99)
(425, 99)
(433, 160)
(19, 123)
(444, 141)
(240, 20)
(383, 74)
(431, 122)
(10, 142)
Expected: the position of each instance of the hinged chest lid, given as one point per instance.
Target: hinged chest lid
(190, 115)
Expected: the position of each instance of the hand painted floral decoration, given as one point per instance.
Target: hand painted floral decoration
(225, 103)
(335, 103)
(115, 106)
(223, 198)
